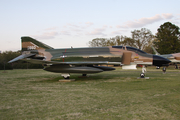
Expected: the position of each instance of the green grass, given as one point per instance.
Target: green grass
(37, 94)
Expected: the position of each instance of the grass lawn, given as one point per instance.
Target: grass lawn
(114, 95)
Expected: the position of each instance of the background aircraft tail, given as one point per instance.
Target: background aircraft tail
(156, 53)
(29, 43)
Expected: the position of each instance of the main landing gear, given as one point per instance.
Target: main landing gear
(83, 76)
(67, 75)
(142, 75)
(164, 70)
(176, 66)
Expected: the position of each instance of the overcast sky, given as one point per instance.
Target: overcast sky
(66, 23)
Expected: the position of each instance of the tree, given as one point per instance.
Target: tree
(102, 42)
(116, 41)
(5, 57)
(98, 42)
(128, 42)
(142, 38)
(9, 55)
(168, 39)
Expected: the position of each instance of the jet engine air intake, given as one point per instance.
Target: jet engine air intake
(126, 59)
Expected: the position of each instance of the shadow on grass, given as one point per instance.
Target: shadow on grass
(116, 75)
(77, 77)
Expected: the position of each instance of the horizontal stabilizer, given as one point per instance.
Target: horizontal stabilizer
(21, 57)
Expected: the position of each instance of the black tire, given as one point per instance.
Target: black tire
(66, 77)
(142, 75)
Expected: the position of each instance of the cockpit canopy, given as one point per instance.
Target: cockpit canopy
(130, 49)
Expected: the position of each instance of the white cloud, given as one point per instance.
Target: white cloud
(167, 15)
(176, 20)
(51, 28)
(89, 23)
(72, 25)
(65, 32)
(118, 32)
(46, 35)
(97, 31)
(79, 25)
(76, 29)
(145, 21)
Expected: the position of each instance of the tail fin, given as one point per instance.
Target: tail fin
(156, 53)
(29, 43)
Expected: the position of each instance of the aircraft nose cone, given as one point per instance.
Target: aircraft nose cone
(160, 61)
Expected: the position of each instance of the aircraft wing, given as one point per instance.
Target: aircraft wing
(35, 61)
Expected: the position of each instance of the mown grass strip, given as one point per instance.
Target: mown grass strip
(37, 94)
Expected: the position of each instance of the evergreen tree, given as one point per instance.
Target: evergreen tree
(168, 39)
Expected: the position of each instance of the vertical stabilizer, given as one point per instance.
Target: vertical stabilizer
(29, 43)
(156, 53)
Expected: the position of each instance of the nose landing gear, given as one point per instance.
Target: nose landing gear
(142, 75)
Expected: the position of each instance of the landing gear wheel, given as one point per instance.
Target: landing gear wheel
(142, 75)
(84, 75)
(176, 66)
(66, 77)
(164, 69)
(157, 67)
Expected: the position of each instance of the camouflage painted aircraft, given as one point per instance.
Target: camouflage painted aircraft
(174, 58)
(84, 60)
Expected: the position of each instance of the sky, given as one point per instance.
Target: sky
(66, 23)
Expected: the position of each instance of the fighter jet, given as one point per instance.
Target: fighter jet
(174, 58)
(84, 60)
